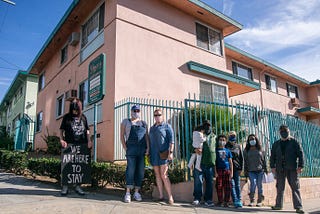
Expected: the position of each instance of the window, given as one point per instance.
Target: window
(242, 71)
(64, 54)
(39, 121)
(271, 83)
(83, 93)
(208, 39)
(60, 106)
(41, 82)
(93, 26)
(212, 92)
(292, 91)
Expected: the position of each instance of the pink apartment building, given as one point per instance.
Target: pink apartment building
(161, 49)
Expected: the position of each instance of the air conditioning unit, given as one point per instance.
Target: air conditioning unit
(71, 94)
(295, 102)
(74, 38)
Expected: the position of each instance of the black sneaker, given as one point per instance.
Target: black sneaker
(276, 208)
(299, 210)
(64, 190)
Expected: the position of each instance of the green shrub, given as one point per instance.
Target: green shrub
(50, 167)
(102, 173)
(13, 161)
(6, 142)
(53, 144)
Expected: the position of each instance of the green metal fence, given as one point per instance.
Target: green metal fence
(241, 117)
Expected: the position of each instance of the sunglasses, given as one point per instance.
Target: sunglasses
(157, 115)
(136, 110)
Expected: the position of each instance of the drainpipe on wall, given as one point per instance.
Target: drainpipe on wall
(261, 99)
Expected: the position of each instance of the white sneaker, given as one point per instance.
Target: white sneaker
(137, 196)
(127, 197)
(196, 202)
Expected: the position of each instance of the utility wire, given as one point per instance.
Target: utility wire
(4, 18)
(8, 68)
(11, 63)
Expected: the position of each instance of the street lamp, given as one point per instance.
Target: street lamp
(9, 2)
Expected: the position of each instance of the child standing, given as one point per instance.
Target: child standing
(254, 167)
(197, 142)
(223, 171)
(237, 162)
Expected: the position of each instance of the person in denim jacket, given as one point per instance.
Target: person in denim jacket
(134, 139)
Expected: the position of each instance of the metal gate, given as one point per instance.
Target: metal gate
(24, 134)
(243, 118)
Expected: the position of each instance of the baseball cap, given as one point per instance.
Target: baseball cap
(135, 107)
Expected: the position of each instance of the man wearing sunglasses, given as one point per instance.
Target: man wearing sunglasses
(134, 139)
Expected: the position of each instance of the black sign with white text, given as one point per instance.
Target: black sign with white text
(76, 164)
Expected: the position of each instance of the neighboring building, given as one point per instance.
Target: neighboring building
(19, 104)
(161, 49)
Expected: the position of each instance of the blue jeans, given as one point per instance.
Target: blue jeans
(135, 171)
(256, 181)
(206, 174)
(236, 190)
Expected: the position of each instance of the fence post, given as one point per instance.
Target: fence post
(186, 113)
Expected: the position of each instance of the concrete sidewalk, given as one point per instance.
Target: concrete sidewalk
(21, 195)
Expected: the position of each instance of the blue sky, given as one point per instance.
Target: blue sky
(285, 34)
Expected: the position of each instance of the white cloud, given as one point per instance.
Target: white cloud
(227, 7)
(285, 27)
(5, 81)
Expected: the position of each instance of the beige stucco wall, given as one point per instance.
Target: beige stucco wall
(151, 62)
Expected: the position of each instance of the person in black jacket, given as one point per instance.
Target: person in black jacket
(237, 161)
(287, 161)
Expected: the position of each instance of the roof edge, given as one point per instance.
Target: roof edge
(19, 73)
(53, 33)
(217, 13)
(231, 47)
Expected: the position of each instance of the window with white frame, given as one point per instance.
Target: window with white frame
(93, 26)
(212, 92)
(60, 106)
(41, 83)
(271, 83)
(292, 91)
(242, 71)
(64, 54)
(83, 93)
(209, 39)
(39, 121)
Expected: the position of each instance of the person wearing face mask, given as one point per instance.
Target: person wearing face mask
(287, 161)
(237, 161)
(74, 130)
(223, 171)
(135, 141)
(254, 167)
(161, 141)
(207, 164)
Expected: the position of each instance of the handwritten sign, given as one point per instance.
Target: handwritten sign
(76, 164)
